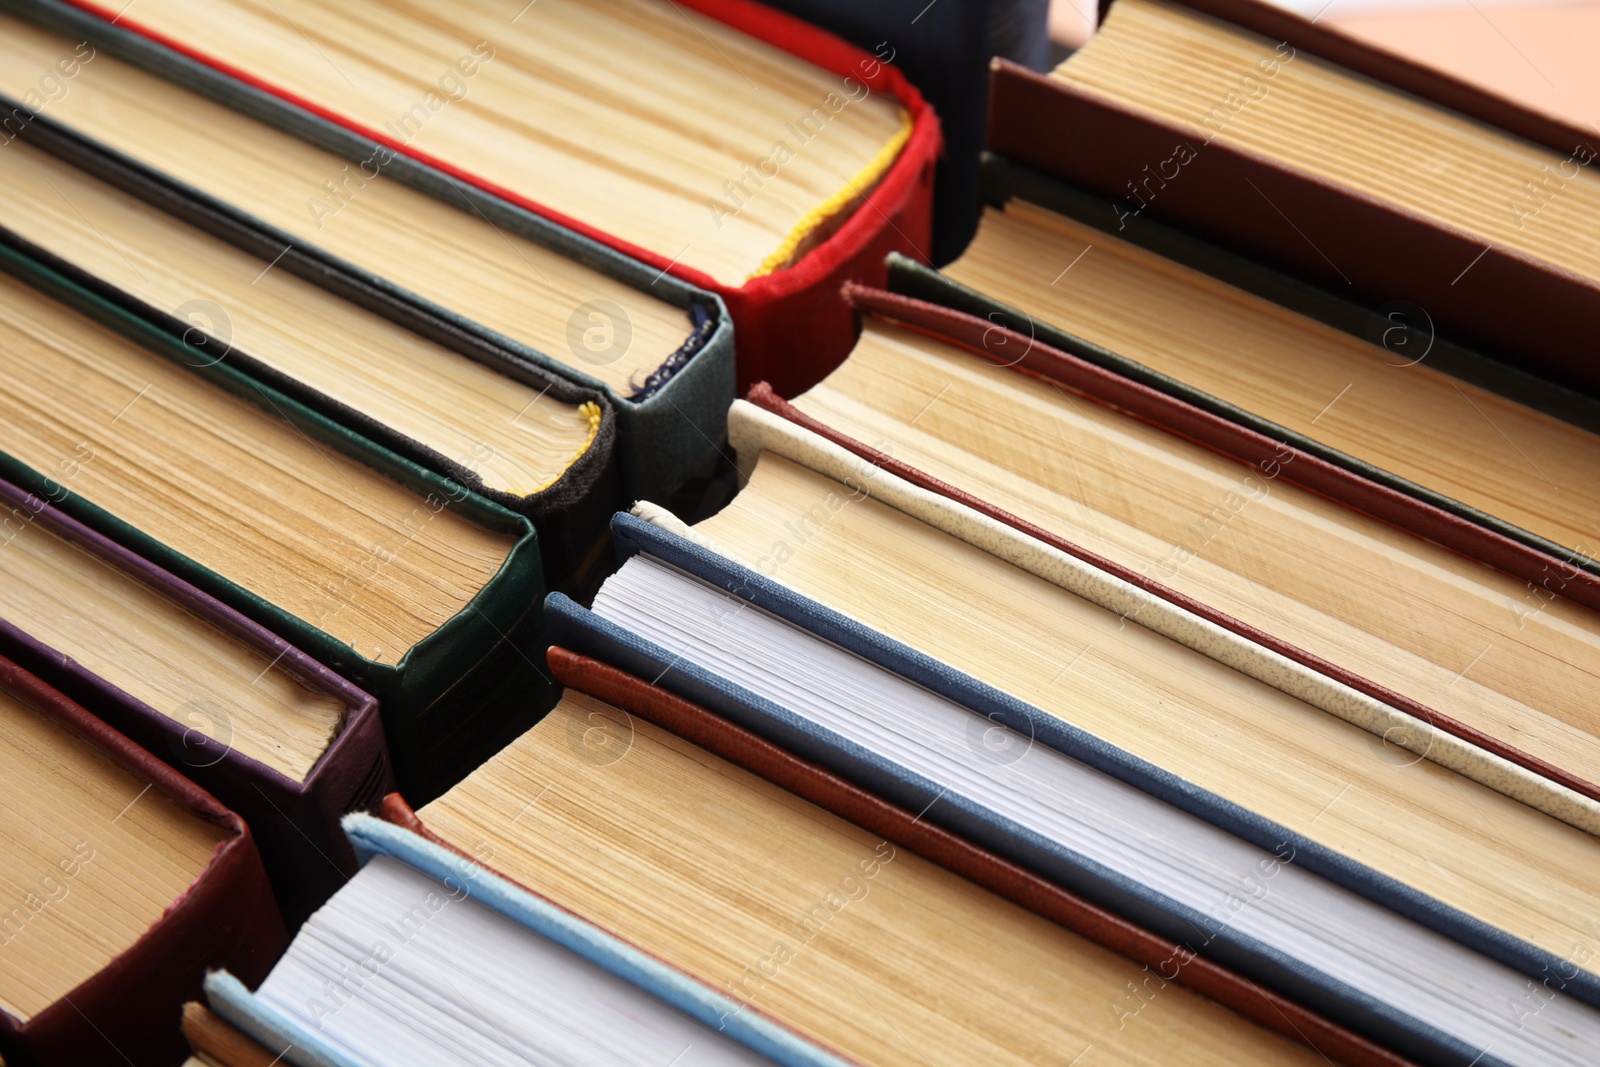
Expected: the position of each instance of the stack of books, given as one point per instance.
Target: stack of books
(1167, 631)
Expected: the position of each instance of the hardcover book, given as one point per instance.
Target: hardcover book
(217, 1043)
(428, 956)
(1350, 166)
(466, 269)
(1370, 390)
(405, 583)
(1202, 513)
(124, 883)
(944, 51)
(277, 737)
(797, 918)
(1233, 720)
(1165, 961)
(511, 431)
(1070, 807)
(584, 114)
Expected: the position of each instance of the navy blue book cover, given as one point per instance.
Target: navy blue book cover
(576, 628)
(944, 49)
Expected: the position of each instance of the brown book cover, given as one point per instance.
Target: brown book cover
(295, 823)
(1532, 314)
(217, 1041)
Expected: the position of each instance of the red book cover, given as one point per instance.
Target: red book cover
(907, 830)
(790, 326)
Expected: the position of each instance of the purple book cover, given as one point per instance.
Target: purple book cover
(295, 823)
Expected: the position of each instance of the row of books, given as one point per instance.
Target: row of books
(302, 417)
(1131, 641)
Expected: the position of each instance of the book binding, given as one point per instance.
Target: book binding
(578, 629)
(665, 428)
(1030, 354)
(792, 328)
(457, 694)
(373, 837)
(227, 918)
(1341, 239)
(295, 824)
(1005, 179)
(909, 830)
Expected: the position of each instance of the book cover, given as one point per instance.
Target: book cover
(906, 828)
(457, 694)
(664, 430)
(791, 327)
(295, 823)
(569, 514)
(1344, 240)
(228, 918)
(411, 845)
(1436, 515)
(944, 51)
(1098, 381)
(576, 628)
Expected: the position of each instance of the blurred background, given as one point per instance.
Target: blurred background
(1540, 52)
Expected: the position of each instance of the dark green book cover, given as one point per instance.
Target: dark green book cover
(457, 694)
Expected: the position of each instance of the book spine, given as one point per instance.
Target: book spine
(654, 976)
(435, 689)
(1196, 933)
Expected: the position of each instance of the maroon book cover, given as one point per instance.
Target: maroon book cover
(1097, 384)
(295, 823)
(1536, 316)
(907, 830)
(128, 1012)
